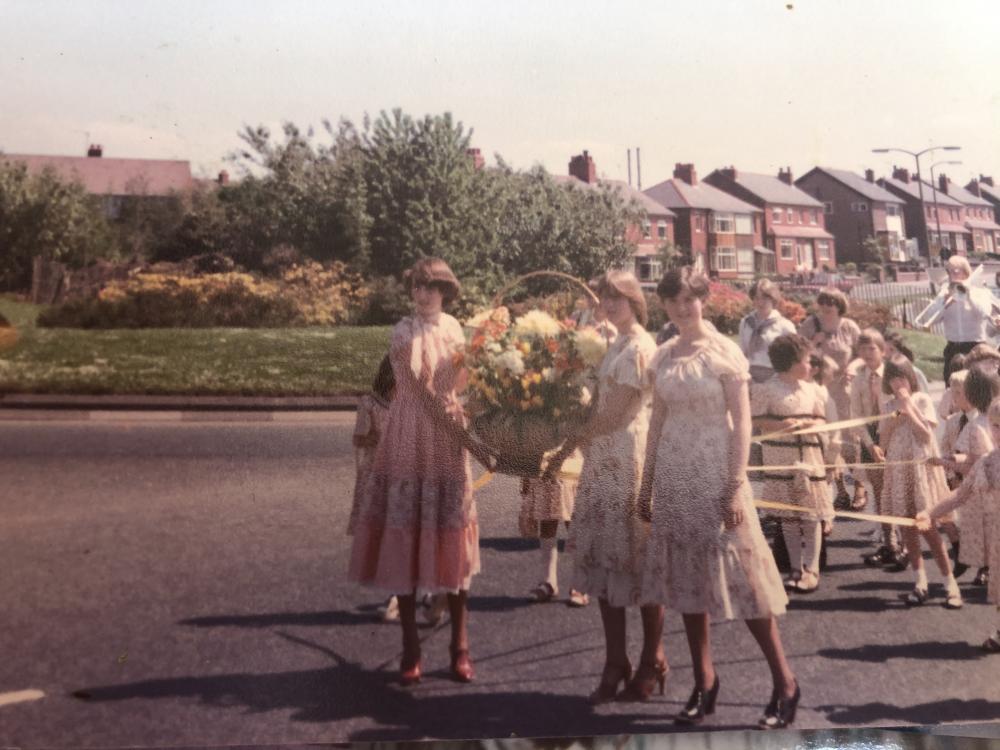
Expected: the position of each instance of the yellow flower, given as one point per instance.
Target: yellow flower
(525, 347)
(536, 377)
(537, 400)
(525, 405)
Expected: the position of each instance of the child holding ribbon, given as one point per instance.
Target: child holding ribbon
(983, 484)
(911, 483)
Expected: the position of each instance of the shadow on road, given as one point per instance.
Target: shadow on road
(928, 650)
(845, 604)
(508, 544)
(317, 619)
(951, 710)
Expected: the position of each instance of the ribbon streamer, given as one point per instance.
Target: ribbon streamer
(881, 465)
(829, 427)
(894, 520)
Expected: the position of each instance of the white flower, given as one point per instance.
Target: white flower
(537, 323)
(548, 374)
(510, 361)
(477, 320)
(585, 396)
(591, 345)
(493, 347)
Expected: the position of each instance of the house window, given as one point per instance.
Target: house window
(725, 258)
(789, 216)
(929, 214)
(648, 269)
(977, 239)
(946, 240)
(743, 224)
(646, 230)
(960, 243)
(722, 223)
(860, 207)
(661, 230)
(787, 250)
(828, 207)
(813, 217)
(776, 215)
(698, 225)
(890, 209)
(802, 216)
(822, 250)
(744, 261)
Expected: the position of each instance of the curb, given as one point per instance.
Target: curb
(80, 403)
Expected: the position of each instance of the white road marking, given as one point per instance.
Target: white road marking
(20, 696)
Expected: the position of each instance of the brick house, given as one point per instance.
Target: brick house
(113, 179)
(949, 213)
(985, 189)
(854, 209)
(722, 233)
(656, 230)
(794, 229)
(982, 233)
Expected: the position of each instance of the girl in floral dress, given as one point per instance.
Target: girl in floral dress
(416, 524)
(607, 534)
(912, 487)
(984, 485)
(706, 555)
(788, 402)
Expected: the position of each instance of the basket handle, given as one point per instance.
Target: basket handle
(498, 298)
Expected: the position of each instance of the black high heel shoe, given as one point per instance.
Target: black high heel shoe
(699, 705)
(780, 712)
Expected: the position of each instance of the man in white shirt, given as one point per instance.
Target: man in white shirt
(965, 310)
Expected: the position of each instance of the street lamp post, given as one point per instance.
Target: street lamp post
(937, 212)
(920, 184)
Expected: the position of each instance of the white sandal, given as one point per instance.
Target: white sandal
(577, 599)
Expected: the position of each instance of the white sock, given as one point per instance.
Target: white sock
(550, 562)
(922, 578)
(950, 584)
(812, 535)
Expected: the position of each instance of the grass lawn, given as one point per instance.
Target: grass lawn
(224, 361)
(208, 361)
(927, 352)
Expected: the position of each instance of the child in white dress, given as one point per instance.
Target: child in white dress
(982, 484)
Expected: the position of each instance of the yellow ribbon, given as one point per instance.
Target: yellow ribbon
(829, 427)
(484, 479)
(894, 520)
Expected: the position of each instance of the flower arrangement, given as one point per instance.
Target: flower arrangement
(527, 382)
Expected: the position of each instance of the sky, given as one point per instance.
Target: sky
(755, 84)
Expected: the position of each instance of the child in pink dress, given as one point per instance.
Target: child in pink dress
(416, 524)
(369, 424)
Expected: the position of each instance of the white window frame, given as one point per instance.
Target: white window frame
(744, 261)
(648, 269)
(725, 254)
(720, 220)
(776, 215)
(788, 245)
(891, 209)
(661, 229)
(789, 216)
(828, 208)
(746, 220)
(860, 207)
(647, 230)
(813, 217)
(822, 250)
(698, 221)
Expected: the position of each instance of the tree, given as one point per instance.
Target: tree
(43, 216)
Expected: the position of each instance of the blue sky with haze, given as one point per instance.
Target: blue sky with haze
(750, 83)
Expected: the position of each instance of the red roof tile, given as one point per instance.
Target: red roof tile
(103, 176)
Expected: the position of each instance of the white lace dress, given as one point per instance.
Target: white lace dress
(693, 563)
(607, 535)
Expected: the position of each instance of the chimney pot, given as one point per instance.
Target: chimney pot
(223, 177)
(477, 157)
(686, 172)
(729, 173)
(95, 151)
(870, 175)
(943, 183)
(901, 174)
(785, 175)
(583, 168)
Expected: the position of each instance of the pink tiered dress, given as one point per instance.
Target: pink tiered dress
(416, 524)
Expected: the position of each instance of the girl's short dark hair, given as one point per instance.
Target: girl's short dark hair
(435, 273)
(826, 368)
(896, 339)
(833, 297)
(958, 361)
(786, 350)
(385, 379)
(981, 388)
(898, 366)
(680, 279)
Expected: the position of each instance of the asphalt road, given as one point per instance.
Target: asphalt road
(181, 583)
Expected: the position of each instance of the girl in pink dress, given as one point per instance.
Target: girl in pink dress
(416, 524)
